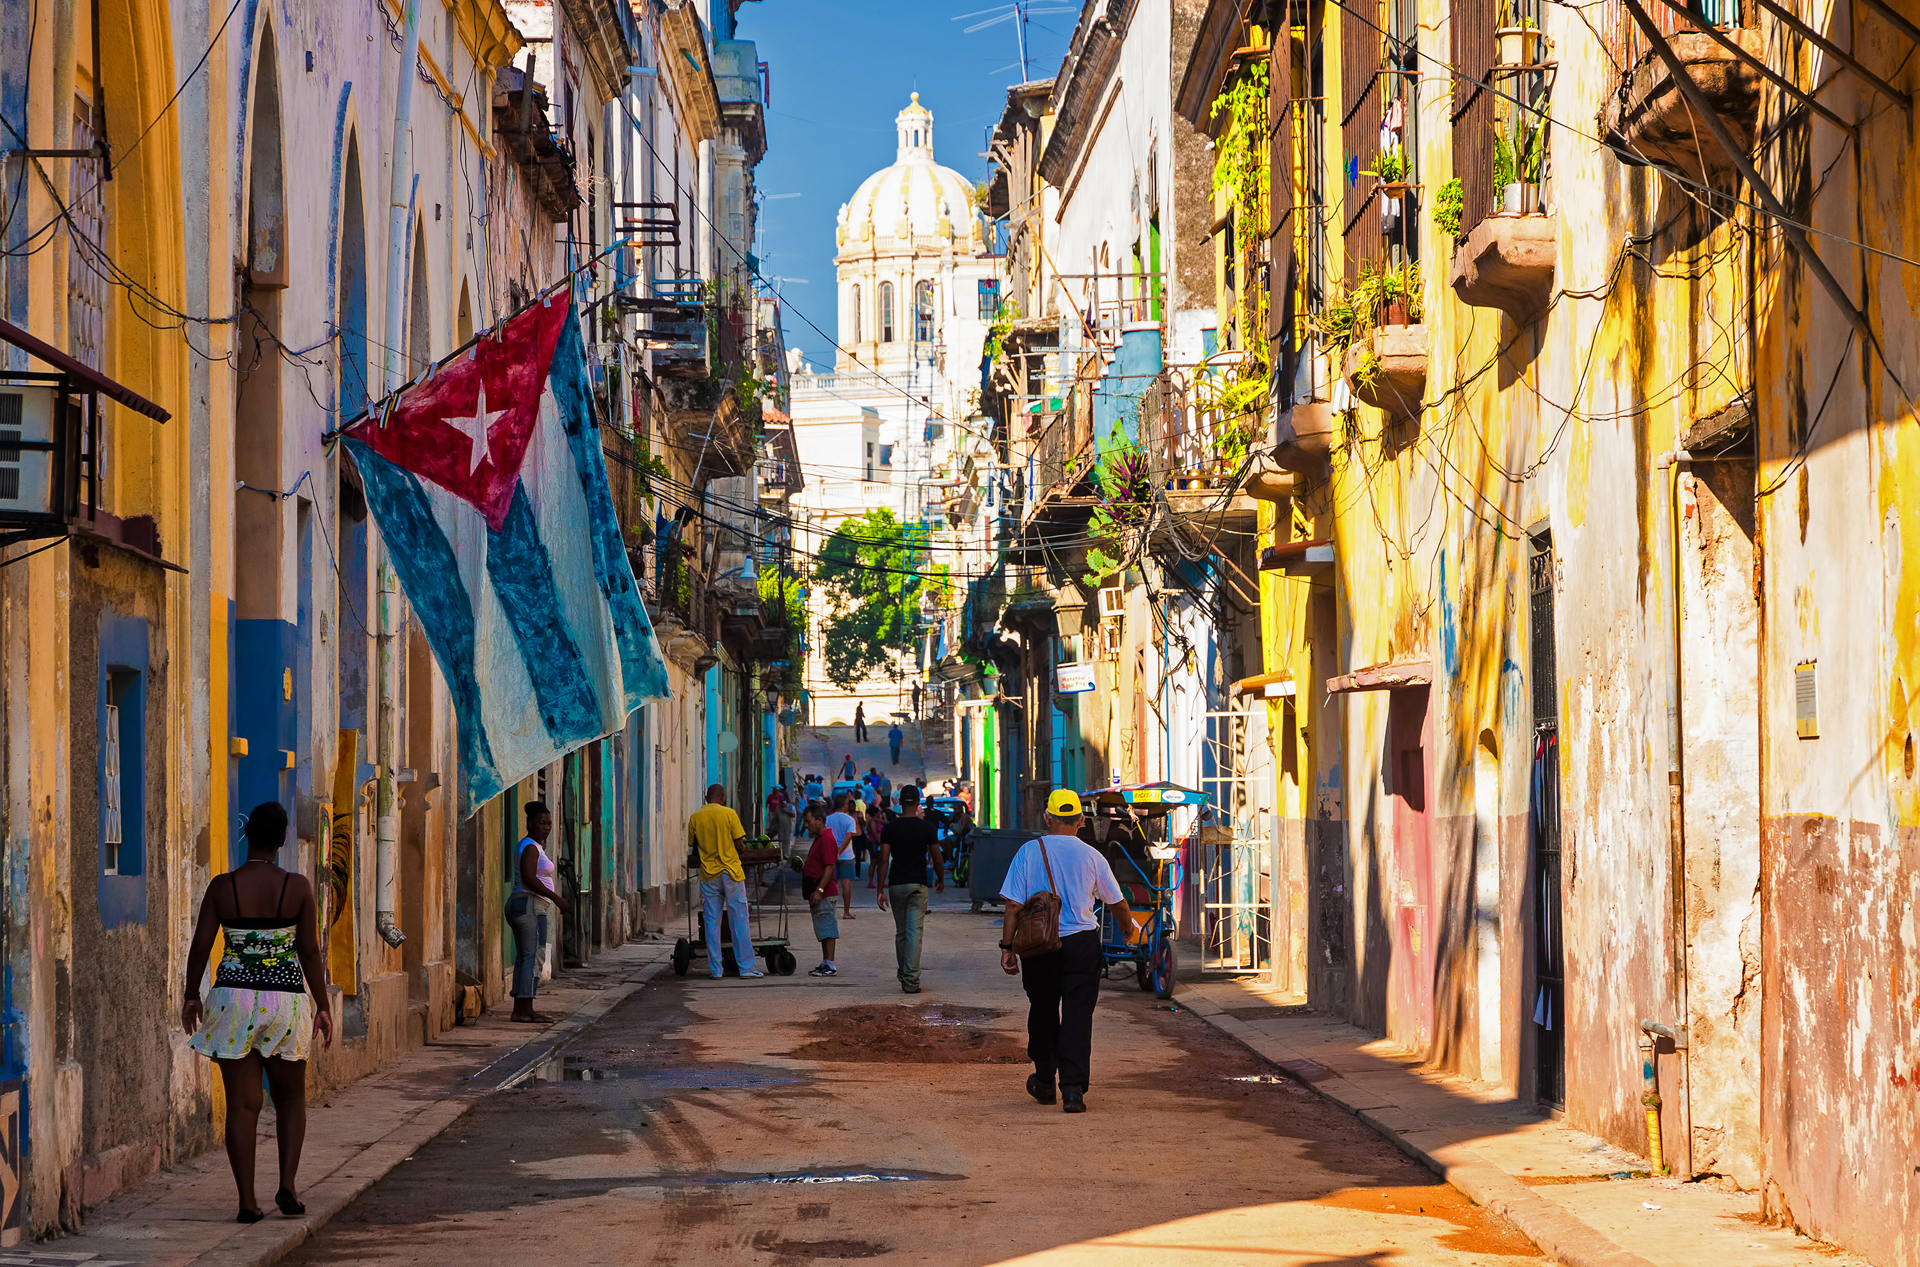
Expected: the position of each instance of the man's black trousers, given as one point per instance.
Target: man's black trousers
(1062, 988)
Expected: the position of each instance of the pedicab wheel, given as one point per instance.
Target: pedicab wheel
(1142, 973)
(784, 963)
(960, 870)
(1163, 969)
(682, 957)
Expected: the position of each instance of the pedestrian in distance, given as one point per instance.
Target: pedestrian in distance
(908, 847)
(895, 737)
(841, 823)
(269, 997)
(715, 834)
(815, 789)
(777, 816)
(881, 783)
(876, 826)
(916, 701)
(847, 769)
(1062, 984)
(860, 722)
(819, 884)
(533, 874)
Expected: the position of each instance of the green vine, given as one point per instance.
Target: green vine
(1240, 166)
(1448, 205)
(1003, 319)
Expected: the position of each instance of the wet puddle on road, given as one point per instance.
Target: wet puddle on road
(563, 1068)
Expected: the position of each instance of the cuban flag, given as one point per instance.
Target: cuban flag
(488, 484)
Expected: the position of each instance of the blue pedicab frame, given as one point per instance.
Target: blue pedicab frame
(1149, 870)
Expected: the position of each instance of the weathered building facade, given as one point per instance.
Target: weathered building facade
(1574, 544)
(226, 250)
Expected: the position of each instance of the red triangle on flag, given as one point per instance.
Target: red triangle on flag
(468, 426)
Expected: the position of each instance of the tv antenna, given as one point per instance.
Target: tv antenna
(1016, 12)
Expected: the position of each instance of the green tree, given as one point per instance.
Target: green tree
(875, 572)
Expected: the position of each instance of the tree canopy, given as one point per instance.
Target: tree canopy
(875, 572)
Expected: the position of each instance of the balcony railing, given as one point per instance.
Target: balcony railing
(1627, 44)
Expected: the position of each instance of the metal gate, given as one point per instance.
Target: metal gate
(1549, 989)
(1234, 880)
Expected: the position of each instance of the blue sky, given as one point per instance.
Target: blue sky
(840, 70)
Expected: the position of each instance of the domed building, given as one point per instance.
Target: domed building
(893, 424)
(912, 252)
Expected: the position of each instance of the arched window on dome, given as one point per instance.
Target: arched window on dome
(886, 312)
(923, 312)
(859, 332)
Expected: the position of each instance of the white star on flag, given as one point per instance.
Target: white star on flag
(475, 428)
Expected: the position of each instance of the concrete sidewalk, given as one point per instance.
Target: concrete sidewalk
(354, 1137)
(1581, 1200)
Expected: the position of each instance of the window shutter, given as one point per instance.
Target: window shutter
(1472, 46)
(1361, 60)
(1280, 275)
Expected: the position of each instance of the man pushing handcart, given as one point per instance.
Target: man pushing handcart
(732, 876)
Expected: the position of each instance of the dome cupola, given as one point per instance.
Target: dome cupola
(913, 204)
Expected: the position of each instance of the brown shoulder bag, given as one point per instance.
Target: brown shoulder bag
(1036, 930)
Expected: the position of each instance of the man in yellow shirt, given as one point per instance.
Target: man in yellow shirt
(715, 832)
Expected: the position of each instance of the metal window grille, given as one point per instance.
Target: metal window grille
(110, 788)
(86, 248)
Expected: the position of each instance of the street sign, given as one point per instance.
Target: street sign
(1072, 679)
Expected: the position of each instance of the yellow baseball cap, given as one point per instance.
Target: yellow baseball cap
(1064, 803)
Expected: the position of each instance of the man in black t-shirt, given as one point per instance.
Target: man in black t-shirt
(908, 847)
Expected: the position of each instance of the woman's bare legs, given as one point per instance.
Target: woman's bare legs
(287, 1081)
(242, 1081)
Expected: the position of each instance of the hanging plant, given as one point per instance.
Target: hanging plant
(1240, 167)
(1448, 205)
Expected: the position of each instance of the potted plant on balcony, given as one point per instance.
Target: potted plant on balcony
(1516, 41)
(1519, 181)
(1390, 169)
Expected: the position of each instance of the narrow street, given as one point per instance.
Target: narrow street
(794, 1119)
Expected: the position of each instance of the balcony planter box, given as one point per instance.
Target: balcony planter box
(1268, 481)
(1303, 436)
(1400, 383)
(1507, 263)
(1649, 116)
(1211, 510)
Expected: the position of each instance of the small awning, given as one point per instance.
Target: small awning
(93, 378)
(1264, 685)
(1383, 677)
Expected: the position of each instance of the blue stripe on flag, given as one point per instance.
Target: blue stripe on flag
(642, 669)
(423, 559)
(522, 576)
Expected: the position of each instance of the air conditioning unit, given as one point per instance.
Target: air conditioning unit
(1113, 603)
(1110, 642)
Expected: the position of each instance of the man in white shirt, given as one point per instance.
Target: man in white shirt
(841, 824)
(1061, 986)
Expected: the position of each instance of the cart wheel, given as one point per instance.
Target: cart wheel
(960, 869)
(682, 957)
(784, 962)
(1142, 973)
(1163, 967)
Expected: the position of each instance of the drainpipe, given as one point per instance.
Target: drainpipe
(1651, 1032)
(387, 717)
(1671, 462)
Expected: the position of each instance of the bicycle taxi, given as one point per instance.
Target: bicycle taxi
(1132, 827)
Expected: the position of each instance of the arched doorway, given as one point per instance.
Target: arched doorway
(264, 636)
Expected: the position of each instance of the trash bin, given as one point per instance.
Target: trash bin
(993, 851)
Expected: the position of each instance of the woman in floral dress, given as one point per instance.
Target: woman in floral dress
(269, 996)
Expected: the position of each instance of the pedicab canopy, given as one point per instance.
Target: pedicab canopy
(1146, 799)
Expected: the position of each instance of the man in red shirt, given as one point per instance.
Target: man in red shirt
(818, 884)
